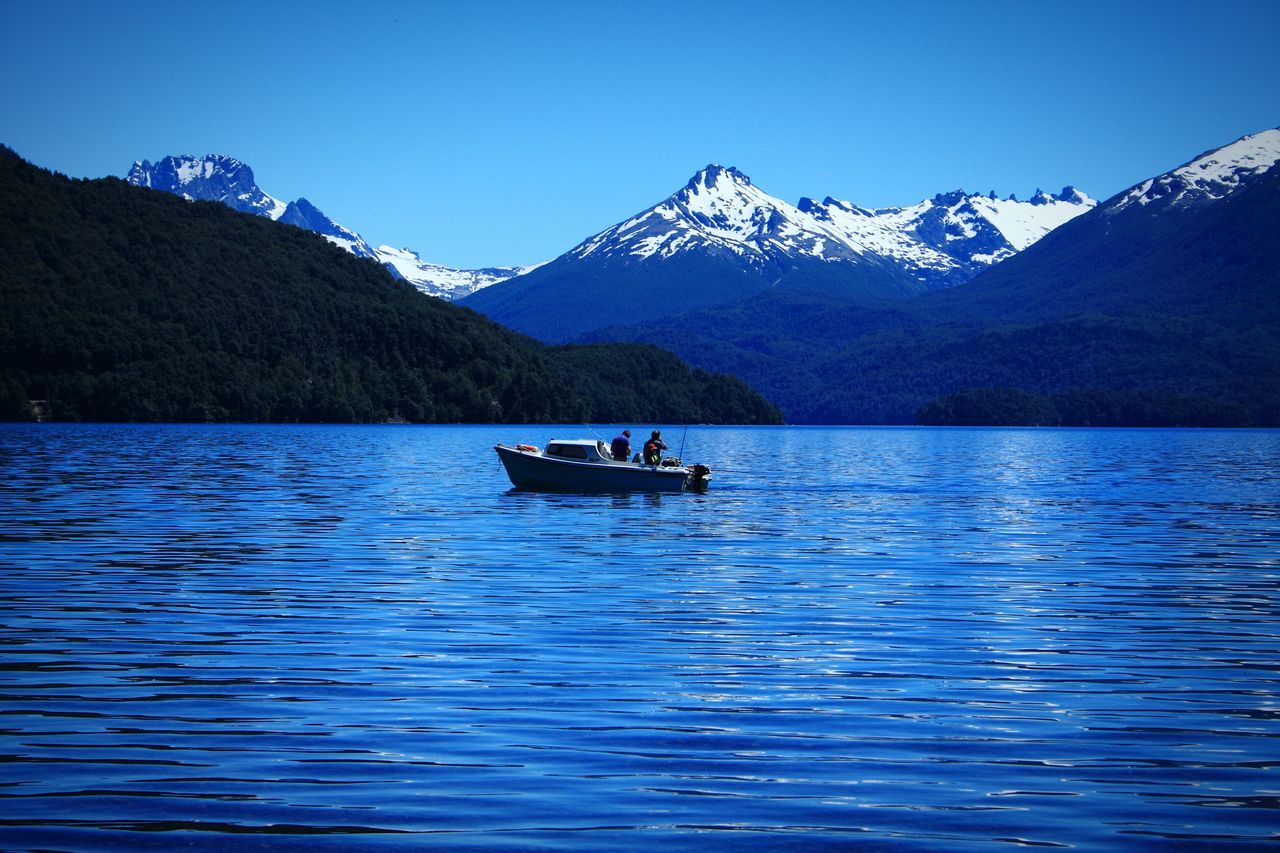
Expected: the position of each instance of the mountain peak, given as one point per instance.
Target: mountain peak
(304, 214)
(713, 174)
(822, 210)
(1072, 195)
(303, 204)
(213, 177)
(946, 199)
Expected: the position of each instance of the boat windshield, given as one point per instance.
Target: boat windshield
(567, 451)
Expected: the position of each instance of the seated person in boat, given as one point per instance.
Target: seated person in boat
(621, 446)
(653, 448)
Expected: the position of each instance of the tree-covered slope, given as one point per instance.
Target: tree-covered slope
(125, 304)
(829, 360)
(637, 382)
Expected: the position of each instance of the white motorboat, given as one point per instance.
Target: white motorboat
(586, 465)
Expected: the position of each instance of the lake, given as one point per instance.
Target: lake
(319, 637)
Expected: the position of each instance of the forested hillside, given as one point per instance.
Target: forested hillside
(121, 303)
(830, 360)
(638, 382)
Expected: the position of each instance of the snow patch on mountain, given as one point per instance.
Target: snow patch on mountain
(1023, 223)
(976, 230)
(441, 281)
(1209, 177)
(871, 232)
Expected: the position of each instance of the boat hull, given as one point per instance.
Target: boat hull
(534, 471)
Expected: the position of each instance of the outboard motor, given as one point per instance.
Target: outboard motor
(699, 475)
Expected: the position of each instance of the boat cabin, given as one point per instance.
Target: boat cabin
(581, 449)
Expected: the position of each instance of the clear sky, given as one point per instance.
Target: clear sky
(486, 133)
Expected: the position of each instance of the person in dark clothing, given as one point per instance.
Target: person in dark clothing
(653, 448)
(621, 446)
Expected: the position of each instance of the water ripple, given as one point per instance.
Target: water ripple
(899, 638)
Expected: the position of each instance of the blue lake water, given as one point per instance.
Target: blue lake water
(278, 637)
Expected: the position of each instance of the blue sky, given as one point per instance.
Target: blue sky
(496, 133)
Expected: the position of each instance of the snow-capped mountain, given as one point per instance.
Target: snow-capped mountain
(225, 179)
(953, 236)
(210, 178)
(1212, 176)
(444, 282)
(889, 236)
(940, 241)
(719, 210)
(717, 240)
(215, 177)
(721, 239)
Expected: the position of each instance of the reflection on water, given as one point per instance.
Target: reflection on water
(219, 637)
